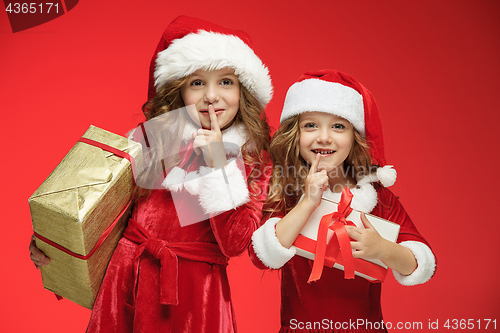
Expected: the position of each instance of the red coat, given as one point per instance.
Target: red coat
(333, 303)
(131, 293)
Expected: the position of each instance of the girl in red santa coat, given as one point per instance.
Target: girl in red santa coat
(330, 138)
(200, 205)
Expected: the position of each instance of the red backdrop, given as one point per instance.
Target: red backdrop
(432, 66)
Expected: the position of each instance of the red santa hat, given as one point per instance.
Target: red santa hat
(189, 44)
(340, 94)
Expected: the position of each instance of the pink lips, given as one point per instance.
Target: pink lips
(207, 114)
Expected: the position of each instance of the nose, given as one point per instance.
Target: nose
(211, 93)
(324, 137)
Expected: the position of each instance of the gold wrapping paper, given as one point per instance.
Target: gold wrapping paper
(84, 195)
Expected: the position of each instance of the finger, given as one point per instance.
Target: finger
(365, 221)
(358, 254)
(356, 246)
(36, 254)
(199, 141)
(196, 149)
(206, 134)
(38, 258)
(353, 233)
(314, 165)
(39, 262)
(32, 242)
(34, 250)
(214, 122)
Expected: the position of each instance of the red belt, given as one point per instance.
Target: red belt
(168, 254)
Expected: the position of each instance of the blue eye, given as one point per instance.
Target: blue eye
(226, 82)
(310, 125)
(196, 83)
(338, 126)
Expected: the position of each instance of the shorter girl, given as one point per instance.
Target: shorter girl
(330, 122)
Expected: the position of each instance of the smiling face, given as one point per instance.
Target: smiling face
(326, 134)
(220, 88)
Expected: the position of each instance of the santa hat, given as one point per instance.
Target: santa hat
(189, 44)
(340, 94)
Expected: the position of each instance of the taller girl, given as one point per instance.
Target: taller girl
(330, 138)
(163, 276)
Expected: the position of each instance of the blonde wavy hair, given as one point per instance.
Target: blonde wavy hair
(290, 170)
(251, 114)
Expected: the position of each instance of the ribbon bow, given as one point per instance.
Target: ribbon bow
(341, 238)
(168, 254)
(160, 250)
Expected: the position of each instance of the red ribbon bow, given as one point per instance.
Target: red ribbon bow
(341, 239)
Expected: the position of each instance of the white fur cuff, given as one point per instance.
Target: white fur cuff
(174, 179)
(426, 264)
(268, 248)
(222, 189)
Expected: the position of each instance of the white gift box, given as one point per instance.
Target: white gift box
(363, 268)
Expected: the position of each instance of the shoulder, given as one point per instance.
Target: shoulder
(388, 205)
(385, 195)
(258, 160)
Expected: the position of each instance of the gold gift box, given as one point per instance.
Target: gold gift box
(77, 202)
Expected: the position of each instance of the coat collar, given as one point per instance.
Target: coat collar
(234, 137)
(364, 199)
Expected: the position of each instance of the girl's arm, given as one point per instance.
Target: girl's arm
(290, 226)
(272, 242)
(239, 215)
(408, 269)
(370, 245)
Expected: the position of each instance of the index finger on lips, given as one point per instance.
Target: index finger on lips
(214, 123)
(314, 165)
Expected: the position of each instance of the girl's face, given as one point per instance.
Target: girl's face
(221, 88)
(326, 134)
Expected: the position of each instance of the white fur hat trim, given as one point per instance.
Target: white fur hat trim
(212, 51)
(324, 96)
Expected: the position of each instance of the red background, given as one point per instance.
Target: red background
(432, 65)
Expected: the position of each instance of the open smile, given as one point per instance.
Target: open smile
(323, 152)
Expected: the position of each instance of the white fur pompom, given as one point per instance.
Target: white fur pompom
(192, 183)
(174, 179)
(387, 175)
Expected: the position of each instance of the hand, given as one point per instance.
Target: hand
(37, 256)
(209, 142)
(316, 183)
(367, 242)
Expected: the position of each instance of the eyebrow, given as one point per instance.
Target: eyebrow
(228, 74)
(201, 76)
